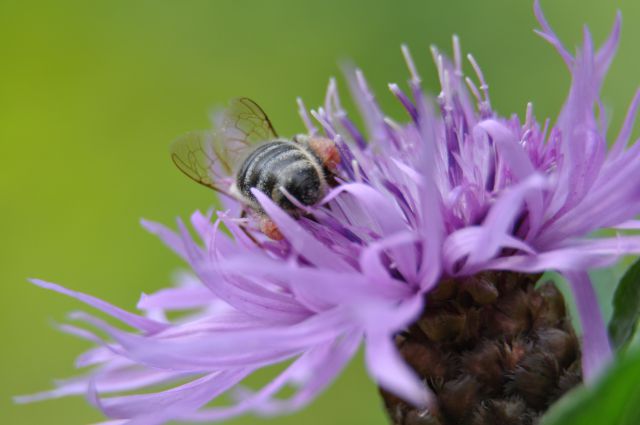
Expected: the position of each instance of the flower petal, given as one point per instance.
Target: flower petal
(391, 372)
(133, 320)
(166, 235)
(596, 350)
(170, 404)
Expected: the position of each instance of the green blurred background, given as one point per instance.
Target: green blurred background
(93, 92)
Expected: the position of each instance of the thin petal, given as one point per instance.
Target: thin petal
(386, 218)
(133, 320)
(550, 36)
(173, 403)
(627, 128)
(501, 218)
(317, 368)
(596, 350)
(166, 235)
(392, 373)
(303, 242)
(226, 349)
(177, 298)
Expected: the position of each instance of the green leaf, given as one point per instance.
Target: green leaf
(626, 307)
(613, 400)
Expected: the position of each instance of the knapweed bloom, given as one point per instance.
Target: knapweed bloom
(426, 252)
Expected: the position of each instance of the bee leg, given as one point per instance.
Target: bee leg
(243, 214)
(269, 228)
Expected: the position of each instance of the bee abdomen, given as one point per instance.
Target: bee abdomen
(281, 164)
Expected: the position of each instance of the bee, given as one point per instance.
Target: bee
(244, 152)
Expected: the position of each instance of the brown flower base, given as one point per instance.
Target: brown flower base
(493, 348)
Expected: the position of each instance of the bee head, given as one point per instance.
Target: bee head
(326, 150)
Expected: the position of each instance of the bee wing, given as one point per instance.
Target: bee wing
(200, 156)
(209, 157)
(244, 124)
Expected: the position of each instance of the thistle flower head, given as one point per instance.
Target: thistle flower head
(455, 191)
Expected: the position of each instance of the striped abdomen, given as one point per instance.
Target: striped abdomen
(282, 164)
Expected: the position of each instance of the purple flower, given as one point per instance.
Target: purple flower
(454, 192)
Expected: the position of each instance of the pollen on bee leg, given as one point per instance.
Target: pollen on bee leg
(269, 228)
(327, 150)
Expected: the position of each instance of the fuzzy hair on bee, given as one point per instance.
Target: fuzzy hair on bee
(283, 167)
(245, 152)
